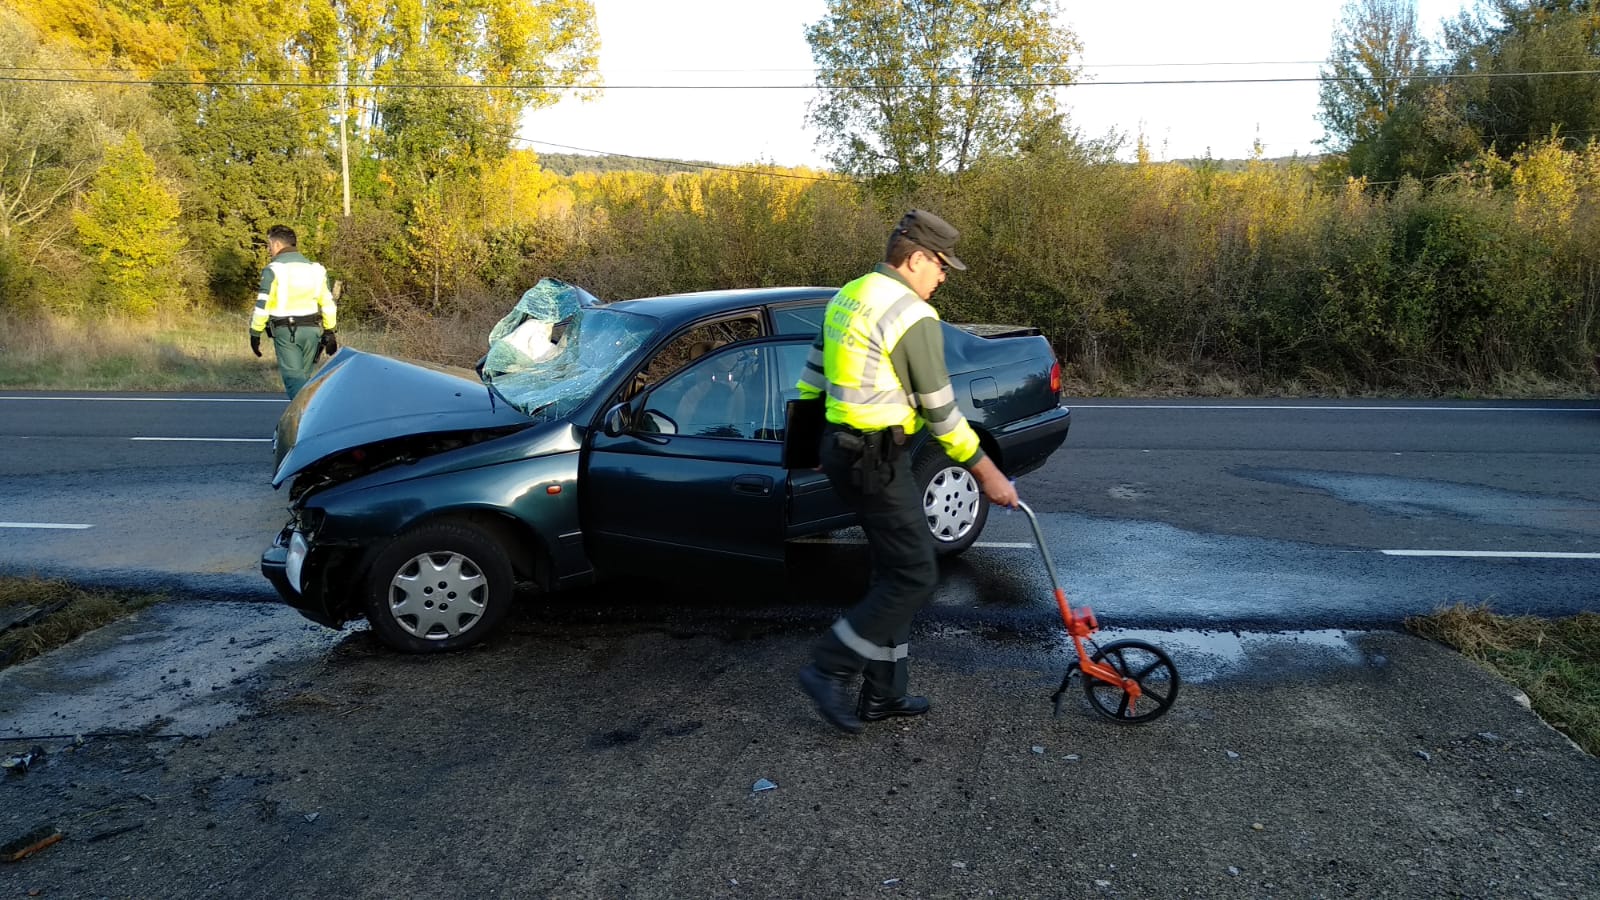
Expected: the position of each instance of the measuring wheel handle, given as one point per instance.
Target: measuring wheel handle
(1146, 682)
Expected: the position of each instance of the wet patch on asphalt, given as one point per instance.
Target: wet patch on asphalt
(1437, 497)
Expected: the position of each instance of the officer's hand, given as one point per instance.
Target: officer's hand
(1001, 492)
(330, 344)
(255, 343)
(996, 486)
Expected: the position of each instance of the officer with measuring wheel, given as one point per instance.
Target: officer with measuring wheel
(879, 364)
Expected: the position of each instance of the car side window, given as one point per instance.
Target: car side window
(722, 394)
(694, 343)
(791, 362)
(804, 318)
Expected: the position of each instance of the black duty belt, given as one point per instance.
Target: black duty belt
(292, 321)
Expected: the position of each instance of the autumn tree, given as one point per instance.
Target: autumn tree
(912, 87)
(128, 226)
(1544, 56)
(50, 135)
(1376, 52)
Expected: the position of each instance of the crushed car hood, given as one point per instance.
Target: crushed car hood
(363, 398)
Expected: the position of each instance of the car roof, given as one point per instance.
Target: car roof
(677, 308)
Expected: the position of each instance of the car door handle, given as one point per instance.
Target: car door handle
(759, 485)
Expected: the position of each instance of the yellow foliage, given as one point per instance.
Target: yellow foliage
(516, 191)
(105, 33)
(1545, 184)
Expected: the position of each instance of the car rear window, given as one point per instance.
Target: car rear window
(803, 318)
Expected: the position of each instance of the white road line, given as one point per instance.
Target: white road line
(43, 525)
(1493, 554)
(1547, 409)
(206, 440)
(162, 399)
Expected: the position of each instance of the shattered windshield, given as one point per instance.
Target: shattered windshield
(555, 348)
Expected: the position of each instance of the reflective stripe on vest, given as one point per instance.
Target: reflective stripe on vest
(861, 326)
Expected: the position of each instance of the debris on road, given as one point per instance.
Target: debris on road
(763, 785)
(19, 763)
(30, 843)
(112, 832)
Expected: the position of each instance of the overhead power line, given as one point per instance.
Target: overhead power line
(244, 71)
(663, 160)
(513, 85)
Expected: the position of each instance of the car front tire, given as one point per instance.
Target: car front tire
(952, 503)
(440, 586)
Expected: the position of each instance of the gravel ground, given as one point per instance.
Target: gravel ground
(619, 760)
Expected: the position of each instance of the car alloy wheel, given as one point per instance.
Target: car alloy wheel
(952, 503)
(439, 586)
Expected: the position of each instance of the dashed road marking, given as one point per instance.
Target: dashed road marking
(207, 440)
(161, 399)
(1546, 409)
(1493, 554)
(58, 525)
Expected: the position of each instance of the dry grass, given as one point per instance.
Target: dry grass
(208, 351)
(1556, 662)
(69, 612)
(457, 338)
(189, 351)
(1160, 379)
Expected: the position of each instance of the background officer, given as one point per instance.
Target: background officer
(879, 361)
(294, 306)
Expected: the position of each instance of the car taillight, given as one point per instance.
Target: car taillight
(1055, 378)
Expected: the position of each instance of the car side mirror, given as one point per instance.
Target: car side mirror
(616, 420)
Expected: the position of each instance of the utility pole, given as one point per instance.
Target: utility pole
(344, 113)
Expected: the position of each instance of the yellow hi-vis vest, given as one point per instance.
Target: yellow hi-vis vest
(295, 286)
(860, 328)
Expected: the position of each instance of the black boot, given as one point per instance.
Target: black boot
(871, 709)
(831, 693)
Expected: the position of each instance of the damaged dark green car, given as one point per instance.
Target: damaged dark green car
(598, 438)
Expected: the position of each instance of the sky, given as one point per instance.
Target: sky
(762, 43)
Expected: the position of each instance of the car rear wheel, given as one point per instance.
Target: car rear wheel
(439, 587)
(952, 503)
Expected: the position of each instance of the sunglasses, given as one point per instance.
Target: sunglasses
(939, 258)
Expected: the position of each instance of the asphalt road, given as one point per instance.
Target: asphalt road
(620, 743)
(1194, 514)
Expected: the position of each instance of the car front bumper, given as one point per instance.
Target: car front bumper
(288, 565)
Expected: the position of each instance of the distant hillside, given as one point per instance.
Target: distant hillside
(572, 163)
(1239, 165)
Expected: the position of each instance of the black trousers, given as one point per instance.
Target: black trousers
(872, 637)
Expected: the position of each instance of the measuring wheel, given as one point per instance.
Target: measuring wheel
(1146, 665)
